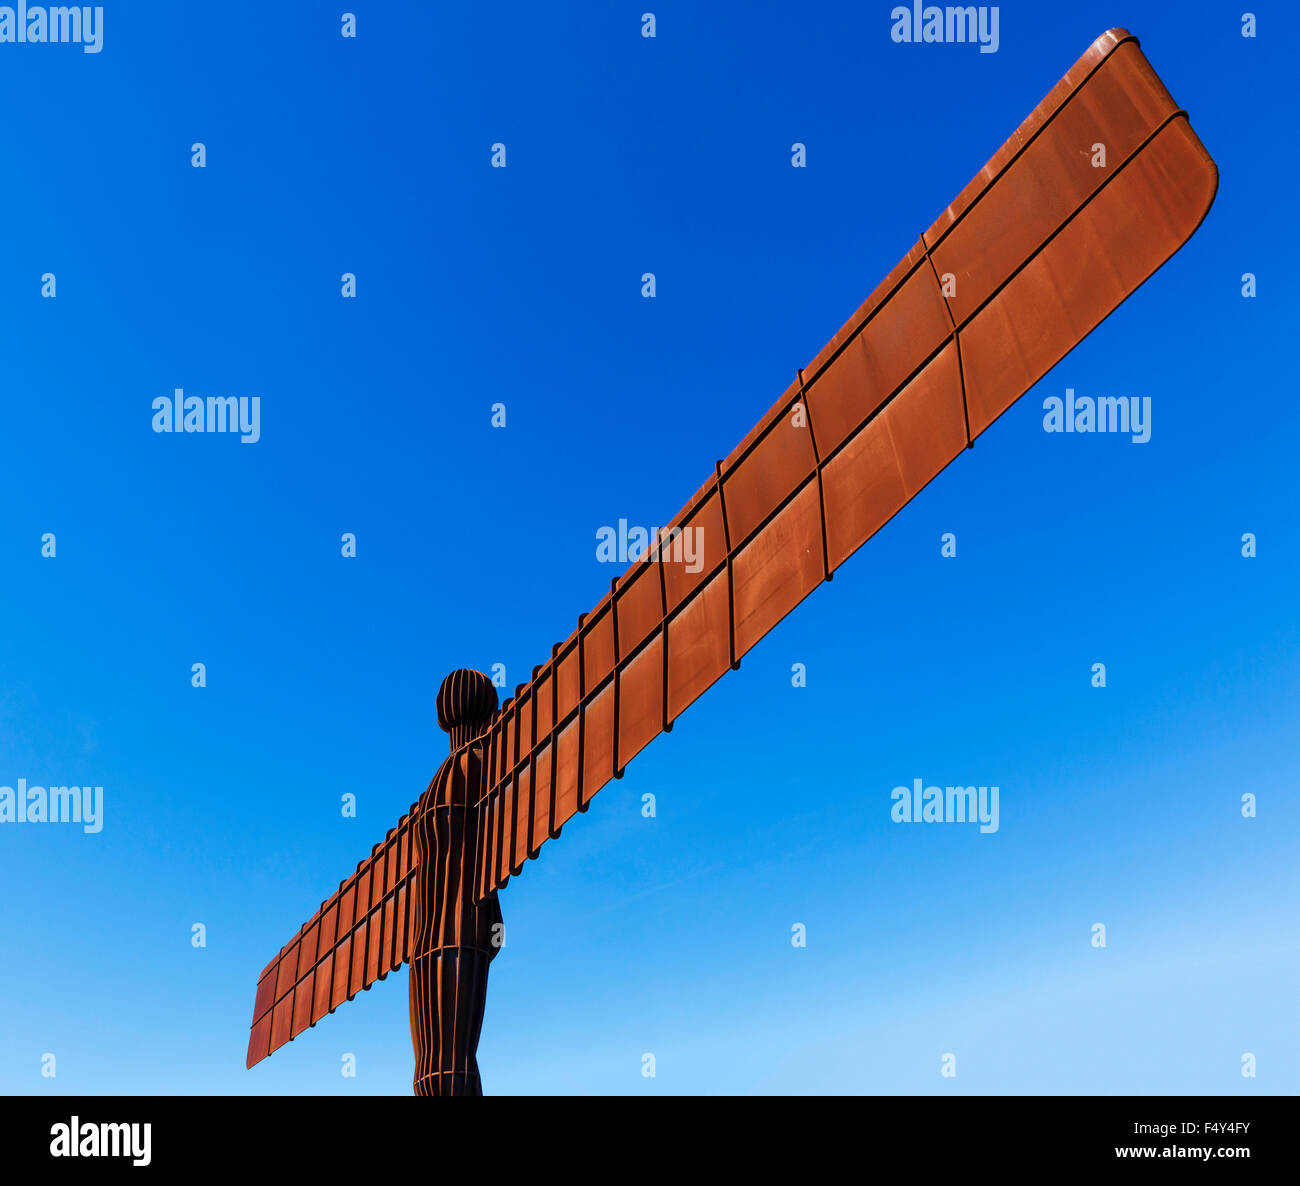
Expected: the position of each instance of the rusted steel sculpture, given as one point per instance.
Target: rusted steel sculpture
(453, 938)
(1031, 256)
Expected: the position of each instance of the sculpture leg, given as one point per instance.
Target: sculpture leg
(448, 996)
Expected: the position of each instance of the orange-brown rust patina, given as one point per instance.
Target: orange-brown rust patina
(454, 938)
(1033, 254)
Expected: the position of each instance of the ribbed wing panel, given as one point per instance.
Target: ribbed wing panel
(1097, 188)
(359, 935)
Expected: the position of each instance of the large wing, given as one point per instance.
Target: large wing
(359, 935)
(1037, 250)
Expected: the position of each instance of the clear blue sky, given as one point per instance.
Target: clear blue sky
(476, 546)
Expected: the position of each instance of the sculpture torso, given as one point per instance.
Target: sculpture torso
(445, 837)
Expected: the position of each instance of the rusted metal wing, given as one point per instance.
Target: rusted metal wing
(1041, 246)
(359, 935)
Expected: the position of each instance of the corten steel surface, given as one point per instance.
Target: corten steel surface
(452, 935)
(1042, 245)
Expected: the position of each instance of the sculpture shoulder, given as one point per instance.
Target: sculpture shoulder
(458, 781)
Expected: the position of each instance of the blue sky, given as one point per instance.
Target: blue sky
(476, 546)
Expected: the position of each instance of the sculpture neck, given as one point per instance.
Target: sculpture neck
(462, 735)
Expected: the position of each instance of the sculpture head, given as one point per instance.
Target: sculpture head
(467, 702)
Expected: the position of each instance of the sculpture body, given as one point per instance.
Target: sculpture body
(454, 940)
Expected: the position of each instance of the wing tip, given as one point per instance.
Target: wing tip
(1208, 177)
(253, 1056)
